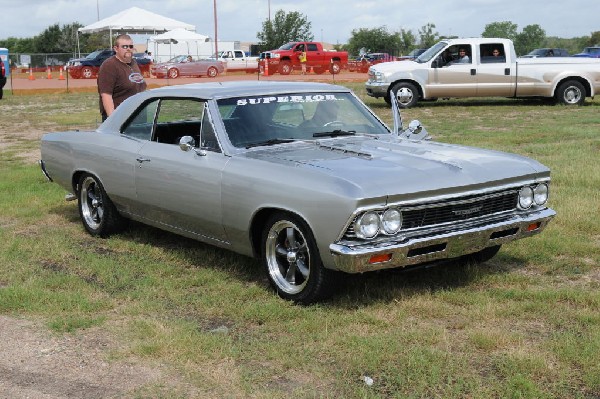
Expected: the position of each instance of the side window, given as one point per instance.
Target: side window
(178, 117)
(492, 53)
(207, 133)
(140, 127)
(312, 47)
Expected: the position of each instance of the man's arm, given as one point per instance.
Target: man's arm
(107, 103)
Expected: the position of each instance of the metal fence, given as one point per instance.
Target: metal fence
(38, 62)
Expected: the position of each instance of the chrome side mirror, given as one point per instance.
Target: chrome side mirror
(415, 131)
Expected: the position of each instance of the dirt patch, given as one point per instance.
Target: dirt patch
(37, 364)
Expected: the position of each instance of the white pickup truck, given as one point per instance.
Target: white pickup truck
(237, 60)
(483, 67)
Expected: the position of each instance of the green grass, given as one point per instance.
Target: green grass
(524, 325)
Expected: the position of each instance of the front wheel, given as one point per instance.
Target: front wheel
(212, 72)
(292, 261)
(406, 94)
(98, 213)
(285, 68)
(173, 73)
(570, 93)
(335, 68)
(87, 73)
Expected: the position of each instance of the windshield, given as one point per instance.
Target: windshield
(286, 117)
(287, 46)
(179, 58)
(431, 52)
(93, 55)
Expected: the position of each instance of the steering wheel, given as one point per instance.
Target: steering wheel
(334, 123)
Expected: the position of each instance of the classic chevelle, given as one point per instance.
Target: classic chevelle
(303, 176)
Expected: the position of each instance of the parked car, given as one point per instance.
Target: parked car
(546, 52)
(88, 67)
(589, 52)
(184, 65)
(412, 55)
(362, 63)
(303, 176)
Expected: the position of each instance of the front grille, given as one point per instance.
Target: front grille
(453, 211)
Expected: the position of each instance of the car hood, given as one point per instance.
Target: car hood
(391, 67)
(382, 167)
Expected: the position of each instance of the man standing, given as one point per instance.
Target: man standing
(119, 77)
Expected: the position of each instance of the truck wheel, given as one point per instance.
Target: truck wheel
(335, 68)
(285, 68)
(87, 73)
(173, 73)
(406, 94)
(212, 72)
(570, 93)
(291, 259)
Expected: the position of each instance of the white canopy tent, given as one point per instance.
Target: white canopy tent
(136, 20)
(179, 41)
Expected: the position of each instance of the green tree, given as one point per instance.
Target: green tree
(47, 41)
(594, 39)
(284, 28)
(427, 37)
(376, 40)
(506, 30)
(530, 38)
(408, 41)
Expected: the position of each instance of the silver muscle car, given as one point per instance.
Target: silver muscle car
(303, 176)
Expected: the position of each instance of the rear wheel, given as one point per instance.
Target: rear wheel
(292, 261)
(87, 73)
(173, 73)
(570, 93)
(97, 212)
(212, 72)
(335, 68)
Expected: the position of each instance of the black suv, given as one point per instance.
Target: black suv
(89, 66)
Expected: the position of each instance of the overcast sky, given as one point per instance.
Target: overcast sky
(331, 20)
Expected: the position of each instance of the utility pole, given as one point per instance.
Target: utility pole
(216, 39)
(98, 9)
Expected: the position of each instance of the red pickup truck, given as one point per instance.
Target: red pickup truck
(286, 58)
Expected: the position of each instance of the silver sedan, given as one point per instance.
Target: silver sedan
(303, 176)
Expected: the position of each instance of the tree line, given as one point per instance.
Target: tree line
(294, 26)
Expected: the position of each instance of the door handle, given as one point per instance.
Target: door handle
(473, 72)
(507, 71)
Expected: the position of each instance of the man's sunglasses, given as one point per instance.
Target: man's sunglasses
(126, 46)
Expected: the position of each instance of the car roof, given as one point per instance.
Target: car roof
(218, 90)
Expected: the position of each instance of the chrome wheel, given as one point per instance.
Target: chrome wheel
(173, 73)
(92, 206)
(212, 72)
(406, 94)
(87, 73)
(571, 93)
(287, 257)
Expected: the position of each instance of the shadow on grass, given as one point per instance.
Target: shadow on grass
(352, 291)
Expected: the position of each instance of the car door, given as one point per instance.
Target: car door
(181, 190)
(454, 78)
(496, 74)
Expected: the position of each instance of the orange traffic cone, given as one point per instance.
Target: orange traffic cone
(312, 70)
(266, 67)
(61, 76)
(49, 73)
(31, 77)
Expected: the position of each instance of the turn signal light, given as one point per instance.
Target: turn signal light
(534, 226)
(380, 258)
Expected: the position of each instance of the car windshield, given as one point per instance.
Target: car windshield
(286, 117)
(430, 52)
(93, 55)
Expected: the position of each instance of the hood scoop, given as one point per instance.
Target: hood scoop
(342, 148)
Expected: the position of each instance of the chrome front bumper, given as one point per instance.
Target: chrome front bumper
(375, 89)
(452, 244)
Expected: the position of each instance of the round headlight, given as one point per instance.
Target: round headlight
(391, 221)
(525, 197)
(540, 194)
(367, 226)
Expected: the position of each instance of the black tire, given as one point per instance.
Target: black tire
(98, 214)
(292, 261)
(212, 72)
(285, 68)
(87, 73)
(484, 255)
(409, 95)
(570, 92)
(173, 73)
